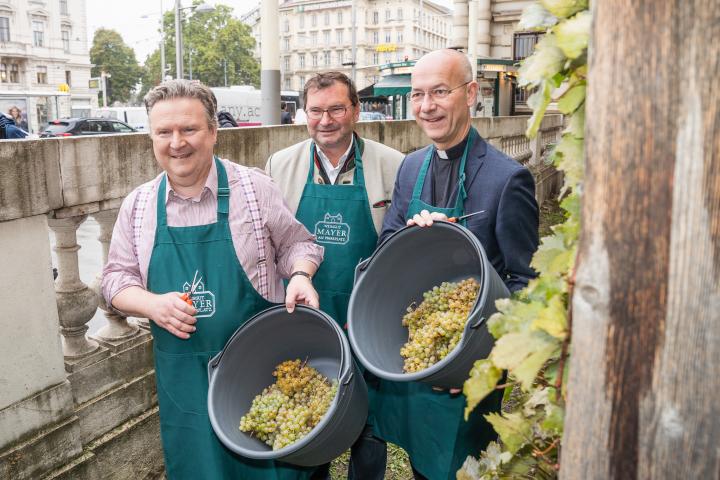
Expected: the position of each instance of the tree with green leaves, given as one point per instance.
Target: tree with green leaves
(216, 44)
(110, 54)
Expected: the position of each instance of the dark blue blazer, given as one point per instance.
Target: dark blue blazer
(508, 230)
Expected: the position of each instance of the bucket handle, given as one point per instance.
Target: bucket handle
(477, 323)
(212, 364)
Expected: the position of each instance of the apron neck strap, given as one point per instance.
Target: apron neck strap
(223, 200)
(358, 175)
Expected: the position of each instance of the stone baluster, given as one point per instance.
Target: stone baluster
(118, 327)
(75, 301)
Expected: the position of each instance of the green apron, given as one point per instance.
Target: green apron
(430, 425)
(224, 300)
(339, 217)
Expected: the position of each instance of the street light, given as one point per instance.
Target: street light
(202, 8)
(163, 66)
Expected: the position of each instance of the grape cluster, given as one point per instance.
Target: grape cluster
(290, 408)
(436, 325)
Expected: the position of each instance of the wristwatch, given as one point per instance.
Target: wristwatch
(301, 273)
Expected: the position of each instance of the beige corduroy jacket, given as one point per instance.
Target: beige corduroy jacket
(289, 168)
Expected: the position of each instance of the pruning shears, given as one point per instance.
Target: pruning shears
(187, 296)
(463, 217)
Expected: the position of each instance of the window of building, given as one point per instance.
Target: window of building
(65, 34)
(4, 29)
(14, 73)
(3, 73)
(388, 37)
(42, 74)
(327, 19)
(313, 20)
(339, 34)
(301, 21)
(376, 58)
(302, 81)
(287, 83)
(286, 44)
(399, 13)
(388, 57)
(301, 60)
(339, 18)
(376, 38)
(313, 38)
(326, 37)
(287, 64)
(286, 25)
(388, 15)
(523, 44)
(326, 58)
(399, 37)
(314, 60)
(63, 7)
(68, 78)
(376, 18)
(38, 28)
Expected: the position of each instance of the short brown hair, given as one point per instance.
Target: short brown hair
(181, 88)
(326, 79)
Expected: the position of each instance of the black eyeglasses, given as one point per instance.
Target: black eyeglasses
(417, 96)
(338, 111)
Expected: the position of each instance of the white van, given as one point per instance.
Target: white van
(136, 117)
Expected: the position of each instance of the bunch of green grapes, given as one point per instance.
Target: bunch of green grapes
(291, 407)
(436, 325)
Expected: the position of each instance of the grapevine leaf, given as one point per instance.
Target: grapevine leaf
(573, 35)
(483, 378)
(569, 157)
(512, 428)
(527, 371)
(544, 287)
(553, 422)
(553, 319)
(572, 99)
(576, 125)
(571, 204)
(538, 398)
(538, 101)
(552, 257)
(546, 62)
(514, 317)
(536, 17)
(511, 349)
(564, 8)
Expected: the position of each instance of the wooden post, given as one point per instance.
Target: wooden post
(643, 389)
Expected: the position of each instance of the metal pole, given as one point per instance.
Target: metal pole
(162, 44)
(353, 15)
(270, 63)
(178, 42)
(104, 90)
(225, 70)
(190, 59)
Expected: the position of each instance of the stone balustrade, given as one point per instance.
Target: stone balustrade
(74, 405)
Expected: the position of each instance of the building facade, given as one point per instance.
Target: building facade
(44, 60)
(317, 36)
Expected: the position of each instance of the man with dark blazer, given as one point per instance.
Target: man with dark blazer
(459, 173)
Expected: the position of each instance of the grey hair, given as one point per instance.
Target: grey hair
(181, 88)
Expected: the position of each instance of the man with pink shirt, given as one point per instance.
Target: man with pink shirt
(224, 227)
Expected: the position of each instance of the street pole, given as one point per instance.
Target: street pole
(162, 44)
(104, 90)
(178, 43)
(190, 61)
(270, 63)
(225, 70)
(353, 15)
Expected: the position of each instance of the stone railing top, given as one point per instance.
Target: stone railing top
(73, 176)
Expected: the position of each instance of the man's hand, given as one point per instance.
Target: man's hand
(300, 290)
(425, 218)
(172, 313)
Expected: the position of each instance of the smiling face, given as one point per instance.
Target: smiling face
(182, 140)
(331, 133)
(445, 120)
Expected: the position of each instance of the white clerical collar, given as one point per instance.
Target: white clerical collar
(442, 154)
(333, 172)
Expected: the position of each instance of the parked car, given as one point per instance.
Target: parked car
(69, 127)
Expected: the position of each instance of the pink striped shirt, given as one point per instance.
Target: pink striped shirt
(286, 239)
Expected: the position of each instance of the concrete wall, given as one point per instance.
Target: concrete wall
(95, 416)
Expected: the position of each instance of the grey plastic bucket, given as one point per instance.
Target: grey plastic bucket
(244, 368)
(408, 263)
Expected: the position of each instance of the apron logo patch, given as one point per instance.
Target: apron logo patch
(203, 301)
(332, 230)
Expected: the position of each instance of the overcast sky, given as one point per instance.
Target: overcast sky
(142, 34)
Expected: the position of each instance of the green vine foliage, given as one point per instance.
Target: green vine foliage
(532, 329)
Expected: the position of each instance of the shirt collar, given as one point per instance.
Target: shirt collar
(326, 161)
(210, 185)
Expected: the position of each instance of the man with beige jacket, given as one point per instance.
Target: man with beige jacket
(339, 186)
